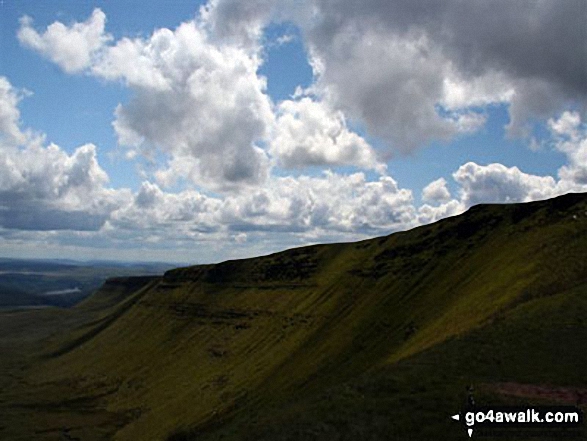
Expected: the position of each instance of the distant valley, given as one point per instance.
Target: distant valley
(40, 283)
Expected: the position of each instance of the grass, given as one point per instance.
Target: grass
(369, 340)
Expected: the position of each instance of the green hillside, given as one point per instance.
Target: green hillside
(374, 340)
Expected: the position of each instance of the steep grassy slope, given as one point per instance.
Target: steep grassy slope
(368, 340)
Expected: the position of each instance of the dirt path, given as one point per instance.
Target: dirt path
(566, 395)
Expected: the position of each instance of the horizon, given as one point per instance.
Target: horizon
(176, 264)
(198, 132)
(80, 262)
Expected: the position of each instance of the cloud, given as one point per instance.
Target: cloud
(309, 133)
(136, 63)
(199, 102)
(43, 187)
(497, 183)
(569, 135)
(9, 114)
(152, 208)
(468, 122)
(315, 206)
(566, 126)
(198, 99)
(436, 191)
(237, 23)
(390, 84)
(408, 73)
(285, 39)
(390, 64)
(71, 47)
(540, 40)
(432, 213)
(332, 202)
(460, 92)
(25, 216)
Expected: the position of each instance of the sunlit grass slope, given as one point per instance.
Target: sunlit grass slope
(369, 340)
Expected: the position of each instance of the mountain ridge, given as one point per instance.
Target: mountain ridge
(262, 348)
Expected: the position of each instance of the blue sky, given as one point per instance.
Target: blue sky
(200, 131)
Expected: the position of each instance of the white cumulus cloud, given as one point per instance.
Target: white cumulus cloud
(570, 137)
(71, 47)
(45, 188)
(308, 132)
(199, 102)
(498, 183)
(436, 191)
(9, 113)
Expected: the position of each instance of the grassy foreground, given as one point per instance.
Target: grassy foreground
(375, 340)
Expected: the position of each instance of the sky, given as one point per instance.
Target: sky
(195, 132)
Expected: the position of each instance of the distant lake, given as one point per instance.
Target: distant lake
(61, 292)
